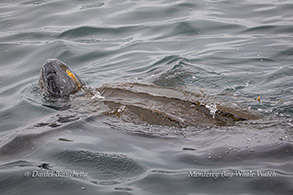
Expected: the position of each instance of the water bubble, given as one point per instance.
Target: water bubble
(251, 150)
(82, 188)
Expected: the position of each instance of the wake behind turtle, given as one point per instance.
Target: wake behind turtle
(141, 103)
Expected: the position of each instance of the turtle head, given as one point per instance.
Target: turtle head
(58, 80)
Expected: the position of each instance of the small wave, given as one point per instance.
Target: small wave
(179, 71)
(87, 31)
(171, 71)
(91, 6)
(269, 29)
(100, 165)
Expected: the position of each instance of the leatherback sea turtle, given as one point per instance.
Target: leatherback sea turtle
(137, 103)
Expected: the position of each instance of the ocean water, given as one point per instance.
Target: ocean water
(235, 51)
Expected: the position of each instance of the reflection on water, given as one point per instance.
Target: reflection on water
(228, 52)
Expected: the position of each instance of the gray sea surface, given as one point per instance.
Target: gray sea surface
(235, 51)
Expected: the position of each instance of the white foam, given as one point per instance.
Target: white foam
(97, 96)
(213, 109)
